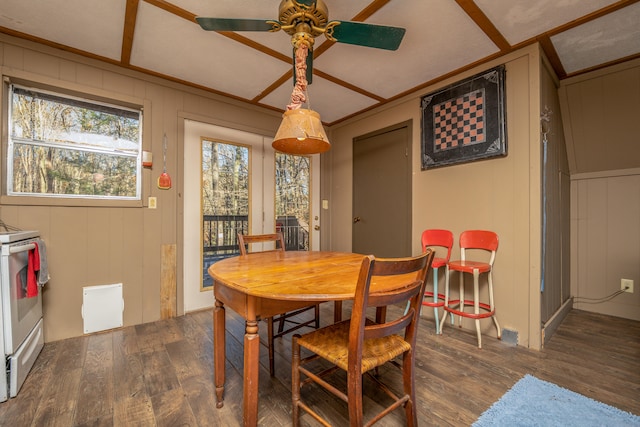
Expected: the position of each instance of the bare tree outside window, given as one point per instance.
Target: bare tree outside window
(65, 146)
(293, 196)
(225, 200)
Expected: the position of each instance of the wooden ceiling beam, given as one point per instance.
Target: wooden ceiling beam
(130, 15)
(481, 20)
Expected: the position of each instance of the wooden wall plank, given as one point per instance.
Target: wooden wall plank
(168, 282)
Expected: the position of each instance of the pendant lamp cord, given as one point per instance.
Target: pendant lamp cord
(164, 153)
(299, 94)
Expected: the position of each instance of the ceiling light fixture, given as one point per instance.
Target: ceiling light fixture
(301, 130)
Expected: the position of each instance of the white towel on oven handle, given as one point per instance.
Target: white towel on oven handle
(43, 273)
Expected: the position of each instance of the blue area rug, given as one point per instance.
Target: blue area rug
(533, 402)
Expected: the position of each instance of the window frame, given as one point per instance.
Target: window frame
(85, 94)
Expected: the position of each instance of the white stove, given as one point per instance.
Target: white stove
(15, 236)
(21, 333)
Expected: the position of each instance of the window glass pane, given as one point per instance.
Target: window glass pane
(76, 148)
(293, 212)
(68, 172)
(225, 201)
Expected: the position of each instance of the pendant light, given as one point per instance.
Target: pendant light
(301, 130)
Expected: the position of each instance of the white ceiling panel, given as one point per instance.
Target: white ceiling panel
(520, 20)
(93, 26)
(420, 57)
(204, 58)
(246, 9)
(603, 40)
(327, 98)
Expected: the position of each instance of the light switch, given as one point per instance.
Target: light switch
(325, 204)
(152, 202)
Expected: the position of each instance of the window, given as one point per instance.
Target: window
(62, 146)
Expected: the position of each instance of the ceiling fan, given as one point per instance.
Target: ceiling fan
(305, 20)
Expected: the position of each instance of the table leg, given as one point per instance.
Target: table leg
(381, 314)
(251, 367)
(219, 351)
(337, 311)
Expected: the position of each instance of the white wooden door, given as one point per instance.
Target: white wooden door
(262, 215)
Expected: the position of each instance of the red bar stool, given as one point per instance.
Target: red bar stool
(473, 239)
(433, 239)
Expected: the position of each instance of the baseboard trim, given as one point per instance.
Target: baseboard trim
(552, 324)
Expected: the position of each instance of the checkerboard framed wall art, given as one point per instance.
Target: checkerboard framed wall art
(465, 121)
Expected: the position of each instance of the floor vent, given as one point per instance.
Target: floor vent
(510, 337)
(102, 307)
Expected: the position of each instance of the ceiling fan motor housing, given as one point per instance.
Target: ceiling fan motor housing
(304, 16)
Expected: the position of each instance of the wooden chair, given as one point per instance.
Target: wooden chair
(360, 345)
(278, 240)
(481, 241)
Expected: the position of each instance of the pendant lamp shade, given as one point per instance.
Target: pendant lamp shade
(301, 132)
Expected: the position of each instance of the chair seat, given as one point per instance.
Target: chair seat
(438, 262)
(332, 343)
(469, 266)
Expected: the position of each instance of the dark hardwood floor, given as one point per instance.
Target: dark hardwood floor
(162, 374)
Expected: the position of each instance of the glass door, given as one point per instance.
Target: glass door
(293, 200)
(241, 185)
(225, 200)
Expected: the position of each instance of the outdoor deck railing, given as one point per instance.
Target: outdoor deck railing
(220, 233)
(220, 238)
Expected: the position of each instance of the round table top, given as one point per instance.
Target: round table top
(295, 275)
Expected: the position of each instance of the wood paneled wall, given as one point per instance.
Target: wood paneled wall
(605, 241)
(555, 287)
(503, 194)
(601, 117)
(103, 243)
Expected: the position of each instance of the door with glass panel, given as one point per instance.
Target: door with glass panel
(293, 207)
(244, 186)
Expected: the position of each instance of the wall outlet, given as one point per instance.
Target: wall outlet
(626, 285)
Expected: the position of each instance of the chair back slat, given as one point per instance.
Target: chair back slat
(397, 295)
(388, 328)
(436, 237)
(244, 240)
(479, 239)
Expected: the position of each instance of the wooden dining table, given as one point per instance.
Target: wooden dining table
(261, 285)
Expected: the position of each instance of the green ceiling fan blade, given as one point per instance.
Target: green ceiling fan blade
(307, 3)
(304, 20)
(226, 24)
(359, 33)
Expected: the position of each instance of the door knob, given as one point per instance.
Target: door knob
(356, 219)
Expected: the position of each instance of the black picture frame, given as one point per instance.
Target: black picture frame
(465, 121)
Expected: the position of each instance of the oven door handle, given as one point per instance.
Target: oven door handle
(21, 248)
